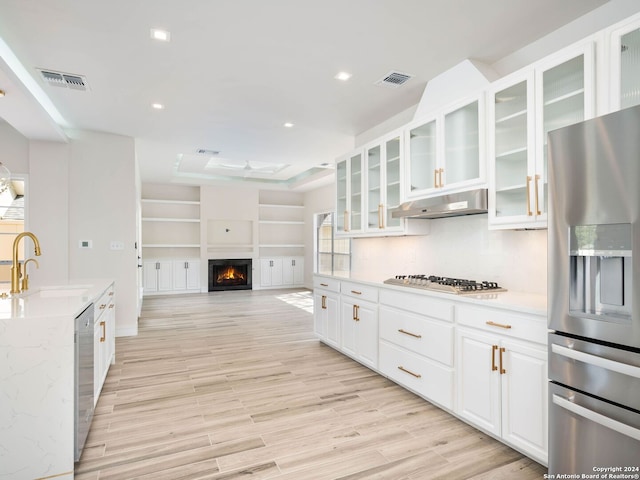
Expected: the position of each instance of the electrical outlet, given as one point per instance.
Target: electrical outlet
(116, 245)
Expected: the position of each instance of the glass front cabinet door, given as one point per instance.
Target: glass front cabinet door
(625, 65)
(444, 153)
(383, 184)
(349, 195)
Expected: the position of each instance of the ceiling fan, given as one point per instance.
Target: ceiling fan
(248, 168)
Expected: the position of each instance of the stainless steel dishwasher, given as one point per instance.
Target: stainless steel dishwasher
(83, 379)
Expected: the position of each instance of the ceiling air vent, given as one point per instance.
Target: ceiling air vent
(205, 151)
(59, 79)
(394, 79)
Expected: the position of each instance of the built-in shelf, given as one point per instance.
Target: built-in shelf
(170, 245)
(281, 222)
(158, 219)
(561, 98)
(175, 202)
(506, 118)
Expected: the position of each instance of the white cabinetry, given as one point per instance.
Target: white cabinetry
(523, 108)
(326, 308)
(502, 376)
(349, 188)
(271, 272)
(446, 152)
(186, 274)
(359, 322)
(104, 339)
(157, 276)
(417, 344)
(624, 65)
(293, 270)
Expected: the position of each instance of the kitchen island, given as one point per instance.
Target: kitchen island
(37, 371)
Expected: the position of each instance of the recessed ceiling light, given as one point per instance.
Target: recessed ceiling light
(344, 76)
(161, 35)
(288, 125)
(157, 106)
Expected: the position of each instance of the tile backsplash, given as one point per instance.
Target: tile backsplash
(459, 247)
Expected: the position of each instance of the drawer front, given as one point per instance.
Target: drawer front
(418, 303)
(430, 338)
(326, 284)
(532, 328)
(431, 381)
(357, 290)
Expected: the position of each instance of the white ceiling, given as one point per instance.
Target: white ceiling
(236, 70)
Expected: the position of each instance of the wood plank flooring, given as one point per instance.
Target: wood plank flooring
(231, 385)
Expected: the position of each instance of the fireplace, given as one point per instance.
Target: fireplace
(230, 274)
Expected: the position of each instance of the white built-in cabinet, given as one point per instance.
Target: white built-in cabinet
(281, 271)
(624, 64)
(186, 274)
(446, 151)
(486, 364)
(104, 336)
(523, 109)
(349, 193)
(326, 308)
(359, 322)
(166, 275)
(502, 376)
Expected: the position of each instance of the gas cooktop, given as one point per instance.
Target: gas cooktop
(456, 286)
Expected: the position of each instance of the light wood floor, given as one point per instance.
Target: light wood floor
(233, 384)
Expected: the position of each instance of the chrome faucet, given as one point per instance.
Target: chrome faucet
(16, 272)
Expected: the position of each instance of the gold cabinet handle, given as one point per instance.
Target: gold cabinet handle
(356, 313)
(500, 325)
(356, 292)
(346, 220)
(502, 370)
(538, 212)
(440, 171)
(111, 294)
(380, 215)
(529, 212)
(324, 302)
(417, 375)
(111, 306)
(324, 284)
(435, 178)
(415, 335)
(104, 332)
(103, 306)
(493, 357)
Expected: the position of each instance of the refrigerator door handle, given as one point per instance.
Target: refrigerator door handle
(605, 363)
(598, 418)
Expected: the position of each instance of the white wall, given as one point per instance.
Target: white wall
(14, 149)
(460, 247)
(102, 208)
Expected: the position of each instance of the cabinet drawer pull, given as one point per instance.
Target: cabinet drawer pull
(502, 370)
(355, 292)
(111, 306)
(111, 294)
(493, 357)
(103, 306)
(417, 375)
(501, 325)
(409, 333)
(324, 284)
(104, 332)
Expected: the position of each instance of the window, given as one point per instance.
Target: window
(333, 255)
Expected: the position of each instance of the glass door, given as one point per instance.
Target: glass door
(462, 146)
(511, 152)
(423, 165)
(374, 188)
(392, 177)
(356, 181)
(342, 210)
(630, 69)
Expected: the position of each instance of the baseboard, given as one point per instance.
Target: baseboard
(127, 332)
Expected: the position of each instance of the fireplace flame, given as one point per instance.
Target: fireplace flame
(230, 273)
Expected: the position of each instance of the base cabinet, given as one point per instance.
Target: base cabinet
(359, 322)
(164, 276)
(104, 336)
(502, 385)
(281, 271)
(326, 306)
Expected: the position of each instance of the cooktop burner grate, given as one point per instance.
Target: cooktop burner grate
(457, 286)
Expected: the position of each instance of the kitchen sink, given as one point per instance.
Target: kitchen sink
(59, 291)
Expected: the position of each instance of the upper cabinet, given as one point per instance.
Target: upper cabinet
(349, 186)
(446, 151)
(523, 109)
(383, 160)
(624, 64)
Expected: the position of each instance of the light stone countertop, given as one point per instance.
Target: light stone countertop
(516, 301)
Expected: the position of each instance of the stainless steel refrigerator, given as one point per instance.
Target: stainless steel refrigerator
(594, 296)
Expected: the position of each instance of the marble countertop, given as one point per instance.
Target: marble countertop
(517, 301)
(66, 299)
